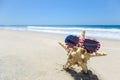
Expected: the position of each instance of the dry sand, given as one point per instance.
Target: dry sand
(37, 56)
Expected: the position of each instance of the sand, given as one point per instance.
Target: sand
(37, 56)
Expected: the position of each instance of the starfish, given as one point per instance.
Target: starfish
(78, 55)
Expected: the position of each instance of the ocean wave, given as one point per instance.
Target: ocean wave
(112, 33)
(74, 28)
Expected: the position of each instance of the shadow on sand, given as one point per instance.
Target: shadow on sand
(81, 75)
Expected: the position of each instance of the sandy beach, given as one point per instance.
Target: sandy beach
(37, 56)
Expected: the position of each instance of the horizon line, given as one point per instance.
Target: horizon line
(56, 24)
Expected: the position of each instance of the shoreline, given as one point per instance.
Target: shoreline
(28, 55)
(60, 34)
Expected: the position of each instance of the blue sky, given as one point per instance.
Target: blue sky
(59, 12)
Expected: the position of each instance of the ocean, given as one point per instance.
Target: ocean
(98, 31)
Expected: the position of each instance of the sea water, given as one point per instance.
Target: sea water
(99, 31)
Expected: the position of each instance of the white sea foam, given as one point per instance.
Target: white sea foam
(93, 32)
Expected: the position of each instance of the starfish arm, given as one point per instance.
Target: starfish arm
(98, 54)
(64, 46)
(82, 36)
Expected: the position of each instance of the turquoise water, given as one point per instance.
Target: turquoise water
(101, 31)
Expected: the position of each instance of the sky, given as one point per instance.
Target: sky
(59, 12)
